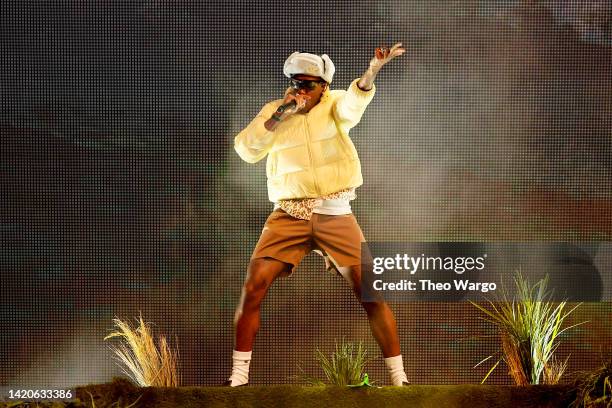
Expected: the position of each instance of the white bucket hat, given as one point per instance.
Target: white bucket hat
(309, 64)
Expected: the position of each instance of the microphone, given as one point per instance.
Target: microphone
(286, 106)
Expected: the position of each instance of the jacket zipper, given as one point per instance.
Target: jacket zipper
(314, 175)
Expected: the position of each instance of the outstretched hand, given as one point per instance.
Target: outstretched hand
(383, 55)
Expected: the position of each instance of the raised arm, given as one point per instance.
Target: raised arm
(382, 57)
(350, 107)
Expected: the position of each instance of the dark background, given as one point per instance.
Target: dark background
(121, 192)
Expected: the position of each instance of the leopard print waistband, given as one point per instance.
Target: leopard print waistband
(302, 207)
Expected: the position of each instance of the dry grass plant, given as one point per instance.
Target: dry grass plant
(140, 359)
(554, 370)
(530, 328)
(594, 388)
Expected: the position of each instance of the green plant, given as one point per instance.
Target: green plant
(594, 389)
(344, 367)
(529, 327)
(147, 365)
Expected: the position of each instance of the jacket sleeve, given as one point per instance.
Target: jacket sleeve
(349, 108)
(253, 142)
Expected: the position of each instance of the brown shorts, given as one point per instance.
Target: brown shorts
(288, 239)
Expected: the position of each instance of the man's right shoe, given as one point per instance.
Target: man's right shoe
(228, 383)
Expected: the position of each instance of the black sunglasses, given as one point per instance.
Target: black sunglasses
(302, 83)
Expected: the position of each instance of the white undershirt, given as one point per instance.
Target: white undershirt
(336, 206)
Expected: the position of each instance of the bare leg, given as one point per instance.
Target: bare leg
(382, 321)
(261, 274)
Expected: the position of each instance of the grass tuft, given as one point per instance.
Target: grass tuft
(345, 366)
(529, 328)
(554, 370)
(140, 359)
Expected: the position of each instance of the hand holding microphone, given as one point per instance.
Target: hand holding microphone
(293, 102)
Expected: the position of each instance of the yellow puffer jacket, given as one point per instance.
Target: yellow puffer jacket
(309, 155)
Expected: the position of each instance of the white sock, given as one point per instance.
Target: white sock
(240, 369)
(396, 369)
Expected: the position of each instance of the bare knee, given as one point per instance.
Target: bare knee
(260, 275)
(363, 289)
(257, 281)
(374, 307)
(352, 274)
(253, 291)
(354, 278)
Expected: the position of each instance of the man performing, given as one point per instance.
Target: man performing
(313, 171)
